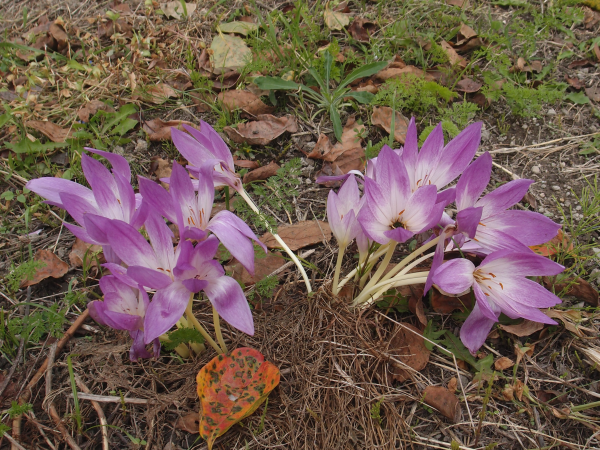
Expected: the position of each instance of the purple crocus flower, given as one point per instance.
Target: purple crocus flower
(191, 212)
(342, 212)
(500, 285)
(392, 211)
(111, 196)
(124, 308)
(206, 147)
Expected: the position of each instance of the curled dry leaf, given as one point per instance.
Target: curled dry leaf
(190, 423)
(158, 130)
(522, 351)
(503, 363)
(415, 305)
(574, 82)
(265, 265)
(597, 51)
(458, 3)
(382, 117)
(299, 235)
(362, 29)
(175, 9)
(231, 387)
(53, 267)
(396, 72)
(465, 34)
(593, 93)
(58, 33)
(454, 58)
(228, 53)
(262, 173)
(551, 397)
(467, 85)
(50, 130)
(578, 288)
(109, 27)
(246, 164)
(239, 27)
(244, 100)
(335, 20)
(161, 168)
(453, 384)
(444, 401)
(262, 131)
(158, 94)
(409, 347)
(446, 304)
(571, 320)
(525, 328)
(351, 139)
(82, 250)
(90, 108)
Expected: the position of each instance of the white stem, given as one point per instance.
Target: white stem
(338, 268)
(294, 258)
(382, 266)
(393, 283)
(381, 251)
(410, 257)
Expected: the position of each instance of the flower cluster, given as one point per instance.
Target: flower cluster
(406, 196)
(110, 214)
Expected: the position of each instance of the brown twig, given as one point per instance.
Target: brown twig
(99, 411)
(61, 427)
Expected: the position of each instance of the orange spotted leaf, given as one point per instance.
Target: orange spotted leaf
(231, 387)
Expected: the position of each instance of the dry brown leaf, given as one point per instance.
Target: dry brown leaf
(382, 117)
(593, 93)
(525, 328)
(159, 93)
(395, 72)
(161, 169)
(50, 130)
(579, 288)
(459, 3)
(158, 130)
(53, 267)
(246, 164)
(591, 17)
(518, 388)
(522, 351)
(469, 45)
(351, 139)
(78, 253)
(415, 305)
(453, 384)
(90, 108)
(570, 320)
(580, 63)
(444, 401)
(464, 34)
(361, 29)
(228, 52)
(262, 131)
(175, 10)
(227, 80)
(335, 20)
(551, 397)
(263, 267)
(445, 304)
(190, 423)
(503, 363)
(299, 235)
(454, 58)
(244, 100)
(597, 51)
(467, 85)
(60, 36)
(262, 173)
(409, 347)
(109, 27)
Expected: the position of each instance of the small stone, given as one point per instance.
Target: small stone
(541, 209)
(308, 181)
(548, 214)
(562, 164)
(536, 169)
(556, 188)
(525, 126)
(578, 208)
(141, 145)
(118, 150)
(485, 135)
(542, 195)
(551, 112)
(561, 199)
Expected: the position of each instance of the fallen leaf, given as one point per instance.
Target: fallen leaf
(82, 250)
(454, 58)
(231, 387)
(597, 51)
(262, 131)
(578, 288)
(351, 139)
(175, 10)
(580, 63)
(522, 351)
(444, 401)
(593, 93)
(108, 28)
(50, 130)
(158, 94)
(530, 200)
(575, 82)
(92, 107)
(560, 242)
(228, 53)
(161, 169)
(264, 266)
(238, 27)
(158, 130)
(190, 423)
(353, 159)
(453, 384)
(445, 304)
(464, 34)
(525, 328)
(53, 267)
(246, 163)
(570, 319)
(262, 173)
(394, 72)
(503, 363)
(227, 80)
(362, 29)
(415, 305)
(519, 388)
(299, 235)
(508, 393)
(467, 85)
(458, 3)
(408, 347)
(551, 397)
(58, 33)
(469, 45)
(591, 18)
(244, 100)
(382, 117)
(335, 20)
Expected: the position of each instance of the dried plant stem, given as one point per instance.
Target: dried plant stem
(99, 411)
(338, 267)
(199, 327)
(217, 323)
(254, 208)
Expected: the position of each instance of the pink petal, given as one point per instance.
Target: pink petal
(104, 187)
(422, 210)
(165, 309)
(228, 299)
(475, 330)
(51, 187)
(467, 220)
(528, 227)
(455, 276)
(428, 158)
(411, 150)
(158, 198)
(473, 182)
(150, 278)
(131, 246)
(119, 163)
(504, 197)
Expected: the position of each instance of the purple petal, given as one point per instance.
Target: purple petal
(529, 293)
(97, 227)
(422, 210)
(96, 309)
(149, 277)
(77, 206)
(51, 187)
(119, 163)
(473, 182)
(504, 197)
(468, 219)
(165, 309)
(485, 306)
(212, 141)
(158, 198)
(123, 321)
(509, 263)
(399, 234)
(195, 234)
(138, 348)
(372, 227)
(190, 148)
(428, 158)
(194, 285)
(120, 273)
(457, 155)
(528, 227)
(438, 257)
(161, 238)
(455, 276)
(411, 150)
(81, 233)
(131, 246)
(126, 197)
(140, 215)
(103, 185)
(182, 193)
(494, 240)
(228, 299)
(475, 330)
(110, 255)
(446, 196)
(392, 178)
